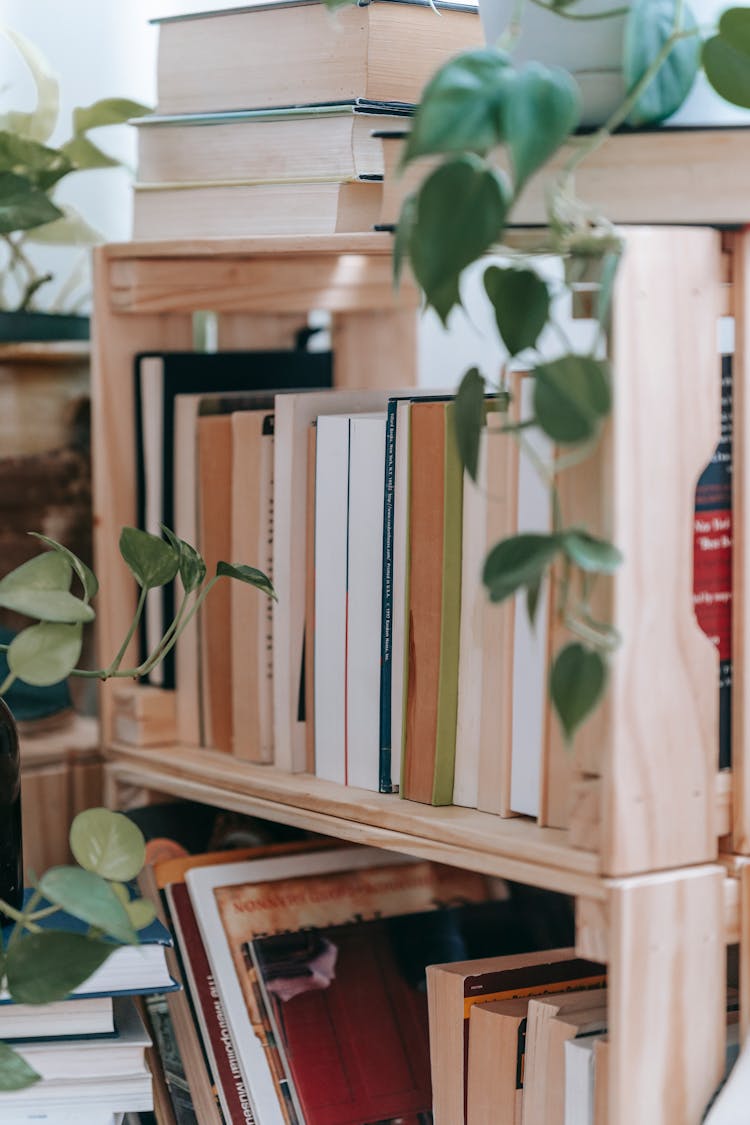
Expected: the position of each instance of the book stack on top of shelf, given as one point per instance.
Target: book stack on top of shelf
(90, 1049)
(265, 115)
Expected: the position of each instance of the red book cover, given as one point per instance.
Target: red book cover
(350, 1015)
(217, 1041)
(712, 558)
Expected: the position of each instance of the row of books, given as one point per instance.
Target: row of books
(304, 971)
(381, 665)
(338, 985)
(249, 139)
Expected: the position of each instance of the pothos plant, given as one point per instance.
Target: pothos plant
(31, 169)
(39, 965)
(480, 106)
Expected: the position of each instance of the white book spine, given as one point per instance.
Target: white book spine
(530, 642)
(364, 610)
(331, 534)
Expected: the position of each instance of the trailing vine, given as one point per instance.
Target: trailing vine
(480, 104)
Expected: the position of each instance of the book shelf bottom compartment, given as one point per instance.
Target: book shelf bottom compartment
(515, 848)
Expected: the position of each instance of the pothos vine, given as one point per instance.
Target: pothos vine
(480, 105)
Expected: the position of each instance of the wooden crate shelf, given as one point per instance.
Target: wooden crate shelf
(651, 899)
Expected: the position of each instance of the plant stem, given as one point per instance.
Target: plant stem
(609, 14)
(113, 667)
(162, 652)
(9, 679)
(512, 33)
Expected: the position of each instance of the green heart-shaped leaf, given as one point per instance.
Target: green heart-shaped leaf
(45, 654)
(22, 205)
(577, 683)
(460, 213)
(649, 25)
(85, 575)
(468, 418)
(46, 967)
(521, 302)
(15, 1072)
(571, 397)
(50, 571)
(726, 57)
(458, 110)
(516, 562)
(247, 574)
(108, 843)
(89, 897)
(41, 165)
(541, 106)
(151, 561)
(596, 556)
(47, 605)
(106, 111)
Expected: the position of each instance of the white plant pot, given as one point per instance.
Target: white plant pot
(591, 50)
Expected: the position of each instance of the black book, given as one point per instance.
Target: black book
(159, 378)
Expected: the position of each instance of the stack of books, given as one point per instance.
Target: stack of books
(90, 1050)
(266, 115)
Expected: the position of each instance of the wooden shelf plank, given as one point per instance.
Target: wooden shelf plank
(515, 849)
(370, 243)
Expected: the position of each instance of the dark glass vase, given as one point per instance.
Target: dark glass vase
(11, 850)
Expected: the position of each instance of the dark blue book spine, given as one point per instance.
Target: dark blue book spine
(386, 635)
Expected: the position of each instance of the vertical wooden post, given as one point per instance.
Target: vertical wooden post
(661, 751)
(667, 989)
(117, 339)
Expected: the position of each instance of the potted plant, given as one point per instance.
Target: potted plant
(31, 170)
(56, 589)
(476, 104)
(44, 351)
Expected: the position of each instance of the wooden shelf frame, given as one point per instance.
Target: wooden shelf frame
(651, 899)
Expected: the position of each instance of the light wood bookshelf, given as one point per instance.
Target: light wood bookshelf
(642, 849)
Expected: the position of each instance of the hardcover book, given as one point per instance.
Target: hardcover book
(712, 554)
(159, 378)
(377, 52)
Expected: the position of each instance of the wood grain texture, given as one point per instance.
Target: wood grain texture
(744, 939)
(116, 341)
(258, 283)
(662, 739)
(539, 856)
(375, 349)
(740, 244)
(666, 964)
(239, 331)
(684, 176)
